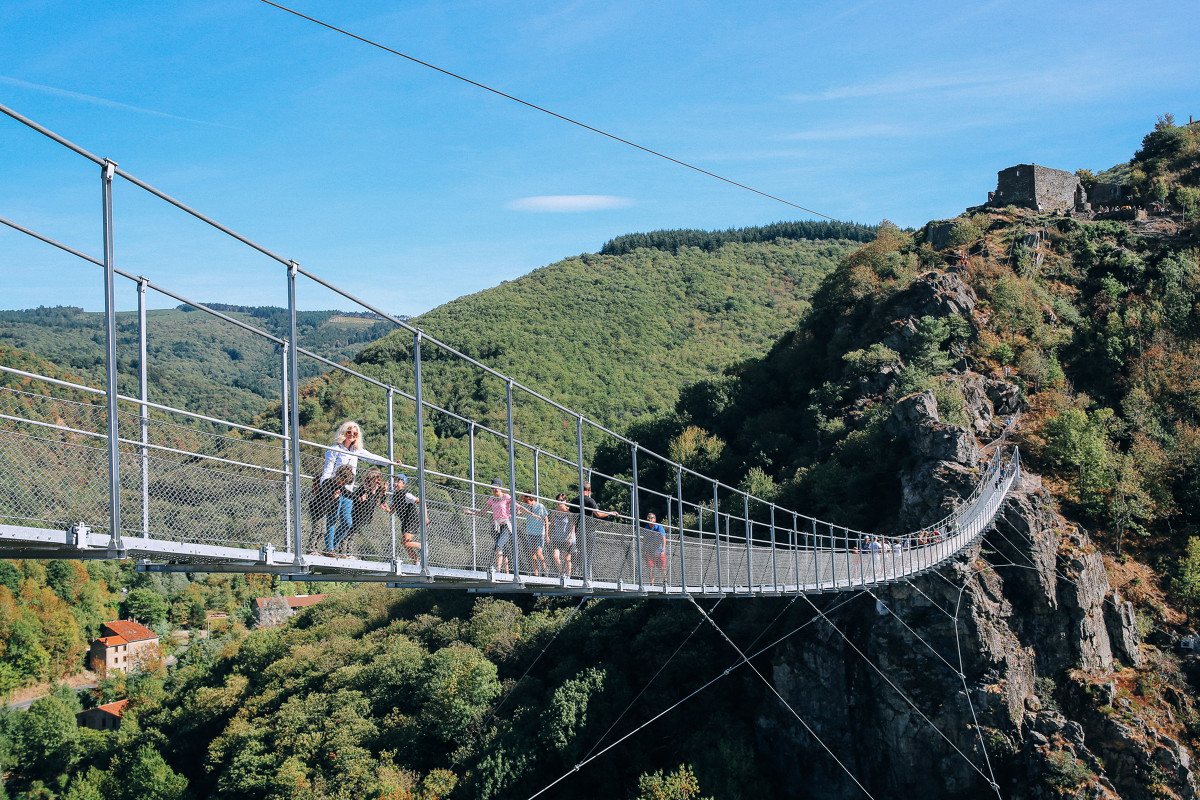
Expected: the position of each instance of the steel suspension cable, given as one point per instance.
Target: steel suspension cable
(554, 114)
(958, 643)
(648, 683)
(729, 670)
(510, 692)
(900, 692)
(807, 727)
(931, 648)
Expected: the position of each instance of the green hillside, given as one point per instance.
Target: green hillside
(612, 336)
(1097, 321)
(194, 361)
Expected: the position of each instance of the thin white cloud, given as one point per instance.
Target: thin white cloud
(101, 101)
(870, 131)
(908, 84)
(568, 203)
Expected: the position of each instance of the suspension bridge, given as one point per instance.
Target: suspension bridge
(89, 472)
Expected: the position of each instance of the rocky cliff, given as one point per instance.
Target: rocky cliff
(1017, 664)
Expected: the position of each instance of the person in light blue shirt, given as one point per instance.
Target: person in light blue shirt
(536, 523)
(654, 544)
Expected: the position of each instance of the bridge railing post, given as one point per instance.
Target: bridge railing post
(297, 498)
(471, 480)
(285, 425)
(585, 556)
(635, 510)
(391, 453)
(143, 409)
(422, 508)
(679, 506)
(512, 484)
(717, 537)
(115, 545)
(774, 559)
(816, 551)
(846, 549)
(749, 547)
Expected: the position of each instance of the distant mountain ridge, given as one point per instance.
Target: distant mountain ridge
(196, 361)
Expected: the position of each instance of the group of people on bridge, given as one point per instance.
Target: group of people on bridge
(347, 507)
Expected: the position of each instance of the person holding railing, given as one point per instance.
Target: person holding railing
(347, 448)
(499, 506)
(536, 524)
(585, 504)
(405, 506)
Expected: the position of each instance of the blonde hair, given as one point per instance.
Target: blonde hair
(341, 434)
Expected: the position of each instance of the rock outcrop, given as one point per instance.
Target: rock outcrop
(986, 671)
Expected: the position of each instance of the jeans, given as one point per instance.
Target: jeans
(338, 522)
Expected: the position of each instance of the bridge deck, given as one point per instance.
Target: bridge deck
(203, 501)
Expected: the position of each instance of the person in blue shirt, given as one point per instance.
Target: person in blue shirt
(536, 523)
(654, 545)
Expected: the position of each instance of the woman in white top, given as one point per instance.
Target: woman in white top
(346, 450)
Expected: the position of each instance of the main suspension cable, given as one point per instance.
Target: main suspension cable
(900, 692)
(555, 114)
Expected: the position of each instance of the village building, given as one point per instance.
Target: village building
(268, 612)
(123, 645)
(103, 718)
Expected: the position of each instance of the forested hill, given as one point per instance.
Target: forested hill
(195, 361)
(674, 241)
(616, 336)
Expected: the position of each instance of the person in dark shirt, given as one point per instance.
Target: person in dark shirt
(591, 509)
(404, 506)
(367, 498)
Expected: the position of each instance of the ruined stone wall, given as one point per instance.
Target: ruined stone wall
(1033, 186)
(1108, 194)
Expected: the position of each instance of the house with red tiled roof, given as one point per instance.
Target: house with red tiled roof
(123, 645)
(103, 718)
(270, 611)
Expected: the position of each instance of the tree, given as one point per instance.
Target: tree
(678, 785)
(48, 736)
(146, 606)
(1187, 576)
(149, 777)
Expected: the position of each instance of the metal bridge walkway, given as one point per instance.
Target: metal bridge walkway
(92, 473)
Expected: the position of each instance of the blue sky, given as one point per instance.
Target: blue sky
(410, 188)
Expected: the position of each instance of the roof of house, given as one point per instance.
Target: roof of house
(130, 631)
(304, 600)
(117, 709)
(111, 641)
(295, 601)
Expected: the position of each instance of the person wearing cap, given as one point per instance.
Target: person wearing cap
(404, 506)
(499, 506)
